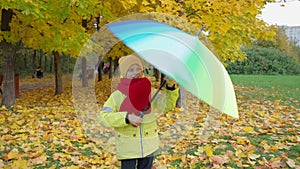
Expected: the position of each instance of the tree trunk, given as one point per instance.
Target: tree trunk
(62, 64)
(45, 63)
(156, 74)
(116, 64)
(84, 72)
(40, 58)
(25, 61)
(110, 68)
(84, 62)
(58, 73)
(8, 83)
(100, 67)
(34, 64)
(51, 64)
(68, 64)
(8, 89)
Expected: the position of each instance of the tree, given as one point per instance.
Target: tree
(33, 63)
(281, 42)
(8, 98)
(231, 23)
(52, 26)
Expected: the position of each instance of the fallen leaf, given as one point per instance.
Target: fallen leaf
(2, 163)
(277, 164)
(208, 150)
(20, 164)
(248, 129)
(253, 156)
(291, 163)
(13, 154)
(219, 160)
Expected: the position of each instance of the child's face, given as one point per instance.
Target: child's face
(134, 71)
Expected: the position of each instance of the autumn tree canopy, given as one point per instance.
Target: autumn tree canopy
(57, 25)
(231, 23)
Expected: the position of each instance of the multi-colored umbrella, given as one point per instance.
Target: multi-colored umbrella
(181, 57)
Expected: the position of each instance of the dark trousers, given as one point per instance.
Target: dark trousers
(140, 163)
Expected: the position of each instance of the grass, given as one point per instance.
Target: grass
(271, 87)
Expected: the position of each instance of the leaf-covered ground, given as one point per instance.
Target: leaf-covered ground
(43, 131)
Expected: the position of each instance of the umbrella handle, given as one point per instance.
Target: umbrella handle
(142, 113)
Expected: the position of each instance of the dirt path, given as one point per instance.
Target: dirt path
(34, 83)
(31, 86)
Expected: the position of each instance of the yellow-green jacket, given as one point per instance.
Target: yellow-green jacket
(129, 143)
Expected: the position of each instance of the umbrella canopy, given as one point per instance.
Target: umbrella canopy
(181, 57)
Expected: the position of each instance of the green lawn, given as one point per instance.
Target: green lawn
(271, 87)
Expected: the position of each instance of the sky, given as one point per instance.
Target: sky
(275, 14)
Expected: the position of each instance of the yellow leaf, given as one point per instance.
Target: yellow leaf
(68, 142)
(37, 154)
(47, 137)
(21, 131)
(2, 108)
(53, 167)
(20, 122)
(13, 154)
(276, 102)
(19, 164)
(73, 167)
(14, 127)
(23, 136)
(248, 129)
(241, 140)
(273, 148)
(2, 119)
(208, 150)
(261, 113)
(39, 160)
(240, 154)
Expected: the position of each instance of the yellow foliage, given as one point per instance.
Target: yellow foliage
(57, 27)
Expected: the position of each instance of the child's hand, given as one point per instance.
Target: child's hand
(170, 81)
(170, 84)
(134, 120)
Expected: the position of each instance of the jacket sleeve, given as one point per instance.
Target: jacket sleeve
(166, 100)
(109, 115)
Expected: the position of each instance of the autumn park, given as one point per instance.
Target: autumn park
(60, 64)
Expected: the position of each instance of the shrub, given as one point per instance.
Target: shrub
(261, 60)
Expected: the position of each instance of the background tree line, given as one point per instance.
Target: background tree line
(27, 60)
